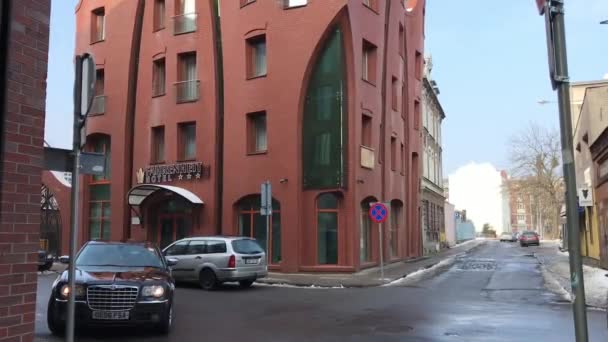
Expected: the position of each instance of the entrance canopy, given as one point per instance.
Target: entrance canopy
(140, 192)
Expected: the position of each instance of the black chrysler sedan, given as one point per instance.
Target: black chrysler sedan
(117, 284)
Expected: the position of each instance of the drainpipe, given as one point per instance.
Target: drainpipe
(387, 16)
(219, 119)
(131, 107)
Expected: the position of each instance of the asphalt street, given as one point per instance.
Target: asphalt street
(494, 293)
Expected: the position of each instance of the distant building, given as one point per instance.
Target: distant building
(433, 198)
(506, 203)
(465, 228)
(520, 204)
(450, 223)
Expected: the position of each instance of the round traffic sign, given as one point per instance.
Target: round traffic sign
(378, 212)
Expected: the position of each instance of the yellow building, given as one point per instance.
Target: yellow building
(585, 122)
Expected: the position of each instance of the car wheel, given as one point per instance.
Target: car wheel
(167, 322)
(207, 279)
(246, 283)
(52, 322)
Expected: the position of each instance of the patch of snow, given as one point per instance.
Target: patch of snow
(284, 285)
(419, 275)
(596, 286)
(553, 285)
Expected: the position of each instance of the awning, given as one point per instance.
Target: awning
(140, 192)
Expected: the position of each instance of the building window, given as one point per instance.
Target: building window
(402, 156)
(365, 238)
(395, 223)
(294, 3)
(98, 25)
(187, 86)
(256, 56)
(253, 224)
(185, 17)
(324, 129)
(99, 193)
(371, 4)
(366, 130)
(159, 15)
(99, 102)
(417, 114)
(187, 141)
(418, 65)
(158, 77)
(401, 41)
(393, 153)
(395, 94)
(369, 62)
(327, 229)
(158, 144)
(257, 140)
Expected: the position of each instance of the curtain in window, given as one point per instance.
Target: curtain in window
(189, 77)
(189, 132)
(259, 58)
(261, 143)
(327, 229)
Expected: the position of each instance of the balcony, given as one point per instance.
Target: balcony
(99, 105)
(367, 157)
(187, 91)
(184, 23)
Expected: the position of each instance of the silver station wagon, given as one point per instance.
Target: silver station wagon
(213, 260)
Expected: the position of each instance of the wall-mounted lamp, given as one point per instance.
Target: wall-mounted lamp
(360, 181)
(283, 180)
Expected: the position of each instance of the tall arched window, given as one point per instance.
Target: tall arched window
(327, 229)
(365, 237)
(395, 223)
(99, 193)
(324, 119)
(253, 224)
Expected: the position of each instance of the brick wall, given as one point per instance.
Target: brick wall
(21, 157)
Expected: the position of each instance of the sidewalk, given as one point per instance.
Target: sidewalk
(557, 265)
(368, 277)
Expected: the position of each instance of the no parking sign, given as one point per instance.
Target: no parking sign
(378, 212)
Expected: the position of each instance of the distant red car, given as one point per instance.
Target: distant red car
(529, 238)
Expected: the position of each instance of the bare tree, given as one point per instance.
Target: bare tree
(535, 155)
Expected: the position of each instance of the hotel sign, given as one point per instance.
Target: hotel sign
(172, 172)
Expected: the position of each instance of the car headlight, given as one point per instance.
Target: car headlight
(156, 291)
(65, 291)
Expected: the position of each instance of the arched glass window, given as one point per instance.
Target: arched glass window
(327, 229)
(99, 192)
(251, 223)
(395, 222)
(365, 237)
(324, 120)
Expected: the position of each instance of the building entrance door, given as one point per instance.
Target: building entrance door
(603, 232)
(172, 227)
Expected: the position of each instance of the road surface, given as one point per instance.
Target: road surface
(494, 293)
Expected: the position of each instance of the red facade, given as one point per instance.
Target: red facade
(202, 104)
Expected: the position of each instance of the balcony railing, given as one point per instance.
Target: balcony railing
(99, 105)
(187, 91)
(184, 23)
(368, 157)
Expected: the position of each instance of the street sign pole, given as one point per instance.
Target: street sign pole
(266, 210)
(381, 235)
(378, 212)
(556, 33)
(84, 83)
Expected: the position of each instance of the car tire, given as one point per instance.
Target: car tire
(54, 325)
(246, 283)
(165, 325)
(207, 279)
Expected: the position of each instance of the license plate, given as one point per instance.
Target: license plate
(251, 261)
(111, 315)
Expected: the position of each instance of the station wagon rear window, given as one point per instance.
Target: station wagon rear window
(246, 246)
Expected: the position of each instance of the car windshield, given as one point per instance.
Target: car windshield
(246, 246)
(119, 255)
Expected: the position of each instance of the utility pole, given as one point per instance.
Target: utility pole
(553, 10)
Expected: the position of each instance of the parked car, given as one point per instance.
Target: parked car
(213, 260)
(528, 239)
(45, 261)
(506, 237)
(117, 284)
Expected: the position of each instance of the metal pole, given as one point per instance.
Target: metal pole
(74, 202)
(563, 93)
(268, 238)
(381, 235)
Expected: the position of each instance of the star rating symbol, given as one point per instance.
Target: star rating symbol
(189, 176)
(180, 177)
(198, 175)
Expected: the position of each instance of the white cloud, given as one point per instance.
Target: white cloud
(476, 187)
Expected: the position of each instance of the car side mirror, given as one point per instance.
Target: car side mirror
(64, 259)
(171, 261)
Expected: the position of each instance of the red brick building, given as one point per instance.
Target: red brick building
(198, 105)
(24, 39)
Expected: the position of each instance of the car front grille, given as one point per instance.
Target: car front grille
(112, 297)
